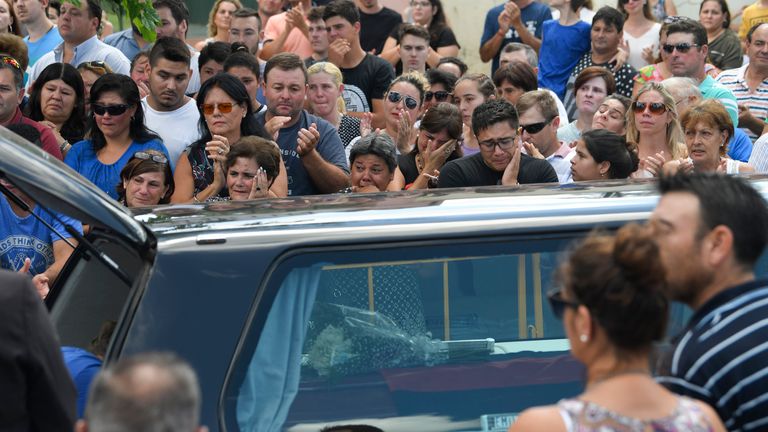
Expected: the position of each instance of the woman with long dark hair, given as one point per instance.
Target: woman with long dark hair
(115, 132)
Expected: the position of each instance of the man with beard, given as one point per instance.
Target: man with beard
(167, 110)
(311, 149)
(711, 230)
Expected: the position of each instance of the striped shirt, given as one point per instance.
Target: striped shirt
(757, 101)
(722, 357)
(710, 89)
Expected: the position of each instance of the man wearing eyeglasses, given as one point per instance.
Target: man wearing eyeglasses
(538, 125)
(686, 49)
(500, 160)
(78, 26)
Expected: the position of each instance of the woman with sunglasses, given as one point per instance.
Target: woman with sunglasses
(252, 165)
(471, 91)
(441, 86)
(724, 44)
(591, 87)
(57, 100)
(325, 101)
(226, 116)
(91, 71)
(708, 129)
(115, 132)
(641, 31)
(146, 180)
(402, 107)
(654, 127)
(601, 155)
(219, 20)
(614, 308)
(612, 114)
(436, 144)
(428, 14)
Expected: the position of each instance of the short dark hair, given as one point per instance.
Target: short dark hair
(179, 10)
(519, 74)
(413, 30)
(576, 4)
(753, 30)
(687, 25)
(135, 60)
(729, 201)
(491, 112)
(137, 166)
(247, 13)
(316, 13)
(724, 8)
(377, 144)
(621, 280)
(264, 152)
(171, 49)
(243, 59)
(596, 72)
(94, 10)
(610, 16)
(286, 62)
(216, 51)
(604, 145)
(463, 68)
(342, 8)
(436, 76)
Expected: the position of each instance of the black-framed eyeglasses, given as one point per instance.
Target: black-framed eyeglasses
(503, 143)
(113, 110)
(558, 303)
(396, 97)
(682, 48)
(10, 61)
(440, 96)
(535, 128)
(150, 156)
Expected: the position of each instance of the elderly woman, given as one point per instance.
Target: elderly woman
(613, 307)
(592, 85)
(57, 100)
(325, 101)
(436, 144)
(402, 107)
(708, 129)
(601, 155)
(116, 131)
(146, 180)
(252, 165)
(654, 127)
(372, 163)
(226, 116)
(612, 114)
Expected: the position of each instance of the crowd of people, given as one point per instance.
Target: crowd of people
(297, 97)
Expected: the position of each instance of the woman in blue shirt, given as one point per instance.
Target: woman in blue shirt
(115, 132)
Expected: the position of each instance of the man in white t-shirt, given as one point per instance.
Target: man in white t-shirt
(167, 110)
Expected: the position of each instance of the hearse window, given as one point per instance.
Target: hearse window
(459, 334)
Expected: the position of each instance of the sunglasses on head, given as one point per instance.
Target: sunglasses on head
(97, 67)
(655, 107)
(10, 61)
(149, 156)
(558, 303)
(113, 110)
(535, 128)
(224, 108)
(396, 97)
(675, 18)
(682, 48)
(440, 96)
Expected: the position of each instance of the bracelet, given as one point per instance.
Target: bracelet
(194, 198)
(64, 145)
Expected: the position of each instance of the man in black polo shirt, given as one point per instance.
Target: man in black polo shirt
(711, 230)
(500, 160)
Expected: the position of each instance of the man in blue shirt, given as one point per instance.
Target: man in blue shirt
(310, 146)
(43, 35)
(514, 21)
(128, 41)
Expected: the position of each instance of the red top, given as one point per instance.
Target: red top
(46, 135)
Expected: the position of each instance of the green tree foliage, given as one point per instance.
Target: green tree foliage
(140, 13)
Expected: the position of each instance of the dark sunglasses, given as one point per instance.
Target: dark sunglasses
(149, 156)
(440, 96)
(682, 48)
(396, 97)
(655, 107)
(113, 110)
(535, 128)
(224, 108)
(558, 303)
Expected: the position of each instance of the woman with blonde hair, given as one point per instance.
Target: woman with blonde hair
(219, 20)
(653, 125)
(325, 100)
